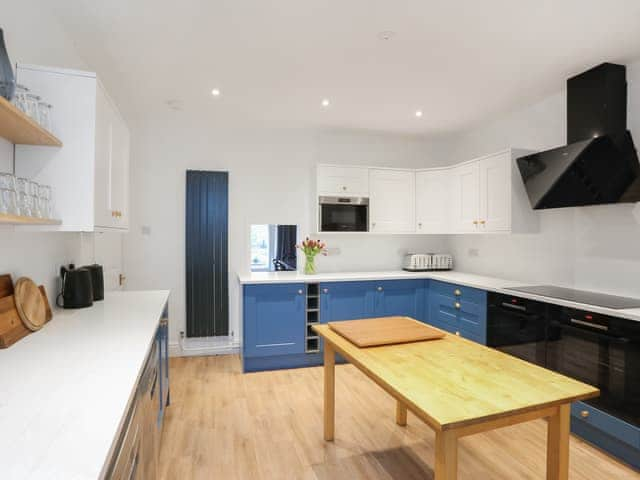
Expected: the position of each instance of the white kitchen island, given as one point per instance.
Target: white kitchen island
(65, 390)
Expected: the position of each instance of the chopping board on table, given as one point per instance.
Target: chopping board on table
(372, 332)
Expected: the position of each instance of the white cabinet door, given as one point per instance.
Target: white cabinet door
(120, 172)
(432, 209)
(465, 207)
(112, 165)
(348, 181)
(104, 214)
(495, 193)
(392, 201)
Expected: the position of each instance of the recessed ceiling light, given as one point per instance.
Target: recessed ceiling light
(419, 113)
(215, 92)
(386, 35)
(326, 102)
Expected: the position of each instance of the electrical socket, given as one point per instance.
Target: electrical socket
(333, 251)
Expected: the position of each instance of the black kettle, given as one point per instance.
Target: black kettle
(97, 281)
(77, 289)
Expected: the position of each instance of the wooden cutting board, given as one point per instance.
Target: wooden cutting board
(30, 304)
(373, 332)
(11, 327)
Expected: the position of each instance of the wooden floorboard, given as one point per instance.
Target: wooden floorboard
(223, 424)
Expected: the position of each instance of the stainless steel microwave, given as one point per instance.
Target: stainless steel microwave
(344, 214)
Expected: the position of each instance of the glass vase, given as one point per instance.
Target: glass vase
(310, 265)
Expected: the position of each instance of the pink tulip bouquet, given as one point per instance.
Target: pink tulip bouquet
(311, 248)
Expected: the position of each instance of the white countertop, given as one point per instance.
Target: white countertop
(466, 279)
(64, 389)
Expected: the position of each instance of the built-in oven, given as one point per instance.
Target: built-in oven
(343, 214)
(517, 326)
(599, 350)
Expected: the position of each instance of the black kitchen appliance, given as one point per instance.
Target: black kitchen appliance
(77, 289)
(97, 281)
(344, 214)
(600, 163)
(517, 326)
(581, 296)
(597, 349)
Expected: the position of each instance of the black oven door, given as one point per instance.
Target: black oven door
(344, 215)
(601, 351)
(517, 326)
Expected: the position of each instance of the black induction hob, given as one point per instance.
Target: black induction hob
(581, 296)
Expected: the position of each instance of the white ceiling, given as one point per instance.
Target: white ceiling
(460, 62)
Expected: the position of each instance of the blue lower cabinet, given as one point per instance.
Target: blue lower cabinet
(612, 434)
(457, 309)
(347, 301)
(401, 298)
(274, 319)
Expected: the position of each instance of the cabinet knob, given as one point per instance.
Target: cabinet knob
(475, 222)
(373, 224)
(121, 279)
(325, 290)
(344, 188)
(458, 333)
(584, 413)
(457, 305)
(419, 225)
(379, 289)
(482, 222)
(300, 292)
(457, 292)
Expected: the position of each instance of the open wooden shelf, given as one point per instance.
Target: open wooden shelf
(18, 220)
(17, 127)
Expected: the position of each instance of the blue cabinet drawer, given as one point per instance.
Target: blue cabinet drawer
(468, 294)
(274, 319)
(442, 312)
(612, 426)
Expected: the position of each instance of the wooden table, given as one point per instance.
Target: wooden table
(459, 388)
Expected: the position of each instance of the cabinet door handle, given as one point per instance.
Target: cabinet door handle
(482, 222)
(419, 225)
(584, 413)
(344, 188)
(458, 333)
(379, 289)
(325, 290)
(457, 305)
(457, 292)
(373, 225)
(300, 292)
(475, 222)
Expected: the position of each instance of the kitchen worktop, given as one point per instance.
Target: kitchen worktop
(65, 389)
(491, 284)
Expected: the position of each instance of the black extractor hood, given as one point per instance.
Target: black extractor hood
(600, 164)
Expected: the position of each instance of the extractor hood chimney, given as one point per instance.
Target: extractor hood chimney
(600, 164)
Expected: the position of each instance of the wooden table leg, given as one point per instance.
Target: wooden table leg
(446, 467)
(329, 391)
(558, 444)
(401, 414)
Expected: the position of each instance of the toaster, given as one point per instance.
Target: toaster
(424, 262)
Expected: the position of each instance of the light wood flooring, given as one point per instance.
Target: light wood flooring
(223, 424)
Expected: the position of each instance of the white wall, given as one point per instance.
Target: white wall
(592, 247)
(271, 180)
(32, 35)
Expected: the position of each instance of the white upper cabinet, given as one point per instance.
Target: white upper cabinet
(346, 181)
(89, 175)
(488, 196)
(392, 201)
(495, 193)
(465, 193)
(432, 213)
(112, 165)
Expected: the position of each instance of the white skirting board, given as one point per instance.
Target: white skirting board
(190, 347)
